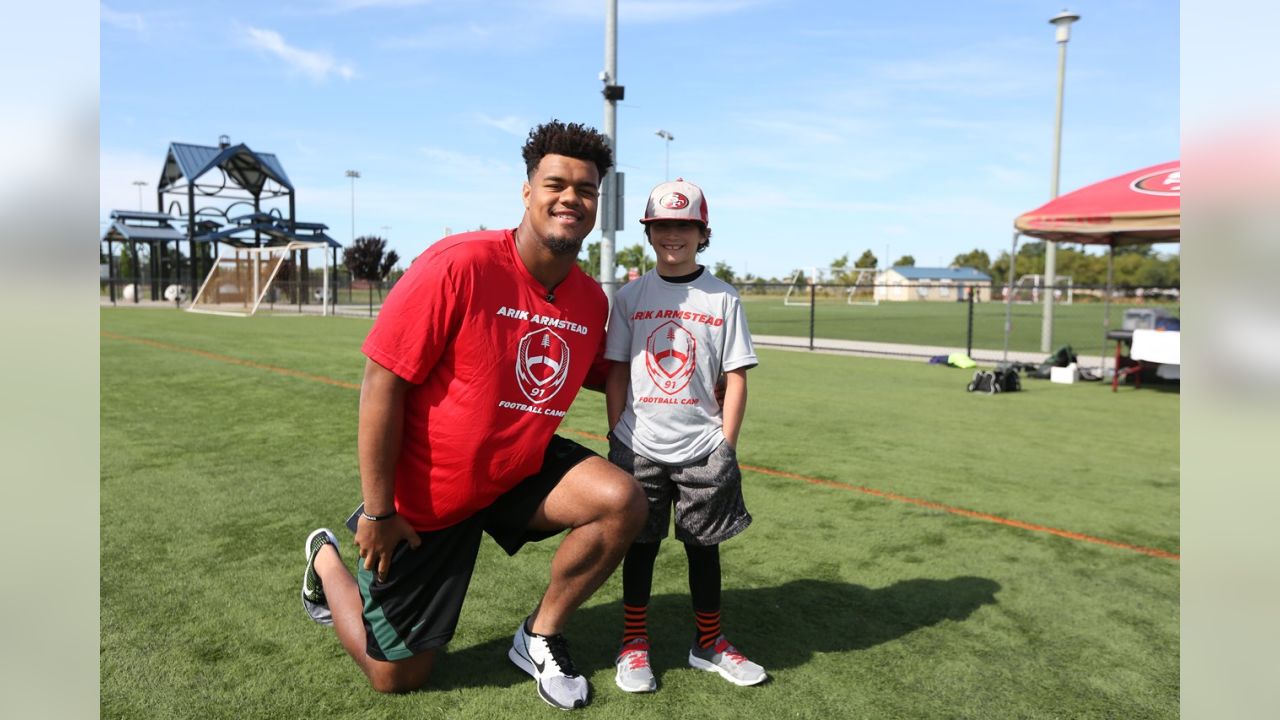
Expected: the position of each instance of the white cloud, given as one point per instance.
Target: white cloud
(341, 6)
(122, 20)
(975, 75)
(316, 65)
(509, 124)
(669, 11)
(453, 163)
(650, 10)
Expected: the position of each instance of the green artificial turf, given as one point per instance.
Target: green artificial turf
(213, 473)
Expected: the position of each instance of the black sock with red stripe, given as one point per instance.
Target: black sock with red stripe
(704, 590)
(634, 623)
(637, 585)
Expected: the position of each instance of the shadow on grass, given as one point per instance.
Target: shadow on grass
(780, 627)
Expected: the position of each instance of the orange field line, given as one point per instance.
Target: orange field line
(1153, 552)
(233, 360)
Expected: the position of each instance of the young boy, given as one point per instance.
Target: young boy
(674, 334)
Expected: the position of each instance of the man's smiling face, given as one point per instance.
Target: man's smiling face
(560, 200)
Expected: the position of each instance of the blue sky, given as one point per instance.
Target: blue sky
(815, 128)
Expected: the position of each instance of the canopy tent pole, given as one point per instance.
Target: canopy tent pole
(1106, 307)
(1008, 296)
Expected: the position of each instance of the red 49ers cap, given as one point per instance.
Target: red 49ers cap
(676, 200)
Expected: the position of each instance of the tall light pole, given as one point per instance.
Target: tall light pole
(353, 174)
(613, 92)
(1062, 22)
(140, 184)
(668, 137)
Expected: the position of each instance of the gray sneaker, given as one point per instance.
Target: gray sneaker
(634, 674)
(724, 658)
(546, 658)
(313, 600)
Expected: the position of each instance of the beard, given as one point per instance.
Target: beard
(561, 246)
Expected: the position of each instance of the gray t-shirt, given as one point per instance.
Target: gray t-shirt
(679, 339)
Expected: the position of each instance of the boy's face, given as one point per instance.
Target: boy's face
(675, 243)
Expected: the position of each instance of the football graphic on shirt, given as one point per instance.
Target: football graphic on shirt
(542, 364)
(669, 357)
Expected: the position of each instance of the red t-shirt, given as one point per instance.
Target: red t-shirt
(495, 365)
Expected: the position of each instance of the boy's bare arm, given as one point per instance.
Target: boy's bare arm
(735, 403)
(615, 391)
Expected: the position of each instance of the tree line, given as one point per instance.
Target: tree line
(1135, 266)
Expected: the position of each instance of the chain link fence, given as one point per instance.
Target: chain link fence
(907, 320)
(926, 318)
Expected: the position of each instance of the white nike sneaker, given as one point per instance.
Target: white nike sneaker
(313, 599)
(546, 658)
(725, 659)
(633, 672)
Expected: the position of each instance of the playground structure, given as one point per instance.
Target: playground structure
(218, 200)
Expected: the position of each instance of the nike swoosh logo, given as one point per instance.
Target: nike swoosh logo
(540, 665)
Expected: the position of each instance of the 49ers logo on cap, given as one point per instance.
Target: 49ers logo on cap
(542, 364)
(674, 201)
(670, 354)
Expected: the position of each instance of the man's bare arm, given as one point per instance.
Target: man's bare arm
(381, 429)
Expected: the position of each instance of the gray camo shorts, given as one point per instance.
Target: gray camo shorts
(707, 495)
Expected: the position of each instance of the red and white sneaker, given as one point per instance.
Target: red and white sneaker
(722, 657)
(634, 674)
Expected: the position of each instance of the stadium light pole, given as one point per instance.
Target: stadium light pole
(1062, 22)
(668, 137)
(140, 184)
(613, 92)
(353, 174)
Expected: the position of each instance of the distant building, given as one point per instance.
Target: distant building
(904, 284)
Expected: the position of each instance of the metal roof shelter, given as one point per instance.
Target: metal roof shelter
(133, 227)
(248, 169)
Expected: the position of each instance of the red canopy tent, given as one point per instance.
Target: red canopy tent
(1143, 206)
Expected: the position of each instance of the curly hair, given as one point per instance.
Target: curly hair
(573, 140)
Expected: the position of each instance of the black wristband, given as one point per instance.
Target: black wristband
(376, 518)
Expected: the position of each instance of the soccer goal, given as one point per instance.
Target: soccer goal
(1029, 289)
(242, 277)
(800, 299)
(864, 290)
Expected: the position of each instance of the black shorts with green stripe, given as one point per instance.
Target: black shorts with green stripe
(417, 607)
